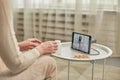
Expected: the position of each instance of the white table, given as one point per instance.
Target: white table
(97, 52)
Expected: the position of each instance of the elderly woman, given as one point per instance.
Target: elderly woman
(32, 64)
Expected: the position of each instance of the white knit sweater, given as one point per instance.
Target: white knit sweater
(15, 60)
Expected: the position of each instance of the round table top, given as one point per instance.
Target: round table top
(97, 52)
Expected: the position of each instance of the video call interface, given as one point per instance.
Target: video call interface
(81, 42)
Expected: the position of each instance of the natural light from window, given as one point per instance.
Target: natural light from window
(67, 4)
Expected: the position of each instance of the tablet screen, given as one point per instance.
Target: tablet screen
(81, 42)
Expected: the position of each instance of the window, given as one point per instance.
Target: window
(68, 4)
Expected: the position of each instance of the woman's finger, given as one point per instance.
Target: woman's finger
(36, 40)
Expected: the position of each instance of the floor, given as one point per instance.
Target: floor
(82, 70)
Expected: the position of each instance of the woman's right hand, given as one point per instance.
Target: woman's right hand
(48, 47)
(29, 44)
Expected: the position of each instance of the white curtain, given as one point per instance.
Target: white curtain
(57, 19)
(118, 29)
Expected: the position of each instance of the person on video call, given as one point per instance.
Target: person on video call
(26, 56)
(79, 41)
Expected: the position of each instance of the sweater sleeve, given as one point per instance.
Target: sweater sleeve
(15, 60)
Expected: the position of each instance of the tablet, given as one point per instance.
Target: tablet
(81, 42)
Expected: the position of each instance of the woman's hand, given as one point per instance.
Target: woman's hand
(28, 44)
(47, 47)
